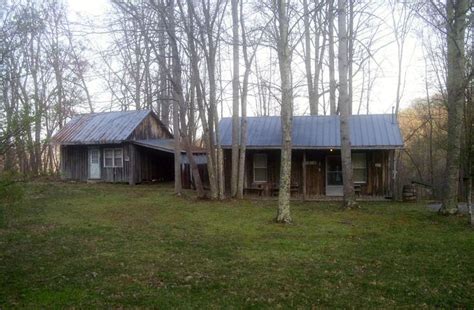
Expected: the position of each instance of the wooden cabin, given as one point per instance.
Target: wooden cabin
(316, 170)
(128, 147)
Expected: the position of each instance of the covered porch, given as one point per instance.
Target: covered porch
(316, 174)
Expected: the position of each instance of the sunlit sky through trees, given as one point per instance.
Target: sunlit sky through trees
(89, 18)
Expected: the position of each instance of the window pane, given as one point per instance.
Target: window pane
(334, 177)
(334, 164)
(360, 175)
(358, 160)
(260, 174)
(108, 153)
(108, 162)
(118, 157)
(260, 160)
(94, 156)
(108, 157)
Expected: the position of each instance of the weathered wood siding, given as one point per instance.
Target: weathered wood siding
(74, 163)
(139, 164)
(150, 128)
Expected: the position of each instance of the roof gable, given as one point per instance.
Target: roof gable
(319, 132)
(101, 128)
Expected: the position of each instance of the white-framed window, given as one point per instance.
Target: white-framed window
(260, 168)
(113, 158)
(359, 167)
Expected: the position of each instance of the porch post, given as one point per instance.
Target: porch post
(133, 165)
(304, 174)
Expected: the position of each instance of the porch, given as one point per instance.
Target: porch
(316, 174)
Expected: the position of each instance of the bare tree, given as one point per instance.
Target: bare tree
(313, 100)
(284, 59)
(344, 101)
(402, 17)
(456, 16)
(248, 60)
(332, 78)
(235, 98)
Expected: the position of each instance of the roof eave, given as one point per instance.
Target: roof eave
(278, 147)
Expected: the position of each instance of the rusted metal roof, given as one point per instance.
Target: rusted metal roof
(319, 132)
(100, 128)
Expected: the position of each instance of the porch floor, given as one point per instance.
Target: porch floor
(300, 197)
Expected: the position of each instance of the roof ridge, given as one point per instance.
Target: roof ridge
(352, 115)
(107, 112)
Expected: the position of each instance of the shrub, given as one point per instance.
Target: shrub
(10, 188)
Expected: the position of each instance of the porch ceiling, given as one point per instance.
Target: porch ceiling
(167, 145)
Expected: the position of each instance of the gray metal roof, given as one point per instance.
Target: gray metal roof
(319, 132)
(165, 145)
(100, 128)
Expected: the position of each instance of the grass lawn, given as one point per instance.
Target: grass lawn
(103, 245)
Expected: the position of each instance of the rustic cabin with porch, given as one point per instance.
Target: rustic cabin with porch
(316, 170)
(122, 147)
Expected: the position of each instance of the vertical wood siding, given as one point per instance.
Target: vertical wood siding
(150, 128)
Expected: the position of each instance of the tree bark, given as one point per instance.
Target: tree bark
(235, 99)
(456, 17)
(176, 73)
(243, 121)
(332, 78)
(313, 103)
(350, 54)
(344, 101)
(284, 59)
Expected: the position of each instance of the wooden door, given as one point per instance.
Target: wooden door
(313, 179)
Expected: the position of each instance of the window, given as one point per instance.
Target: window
(334, 171)
(260, 168)
(113, 158)
(118, 157)
(359, 167)
(94, 156)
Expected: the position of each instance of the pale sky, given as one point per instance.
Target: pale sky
(383, 93)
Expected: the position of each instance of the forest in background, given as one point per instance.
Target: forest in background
(193, 61)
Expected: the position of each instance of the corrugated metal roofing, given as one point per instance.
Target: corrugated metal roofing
(100, 128)
(319, 132)
(167, 145)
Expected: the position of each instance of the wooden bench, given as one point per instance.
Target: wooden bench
(253, 190)
(294, 189)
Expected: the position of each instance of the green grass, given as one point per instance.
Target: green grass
(103, 245)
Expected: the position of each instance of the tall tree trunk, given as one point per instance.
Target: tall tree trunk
(456, 24)
(313, 104)
(351, 54)
(243, 122)
(284, 59)
(318, 53)
(164, 100)
(332, 75)
(235, 99)
(205, 117)
(344, 101)
(176, 74)
(188, 146)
